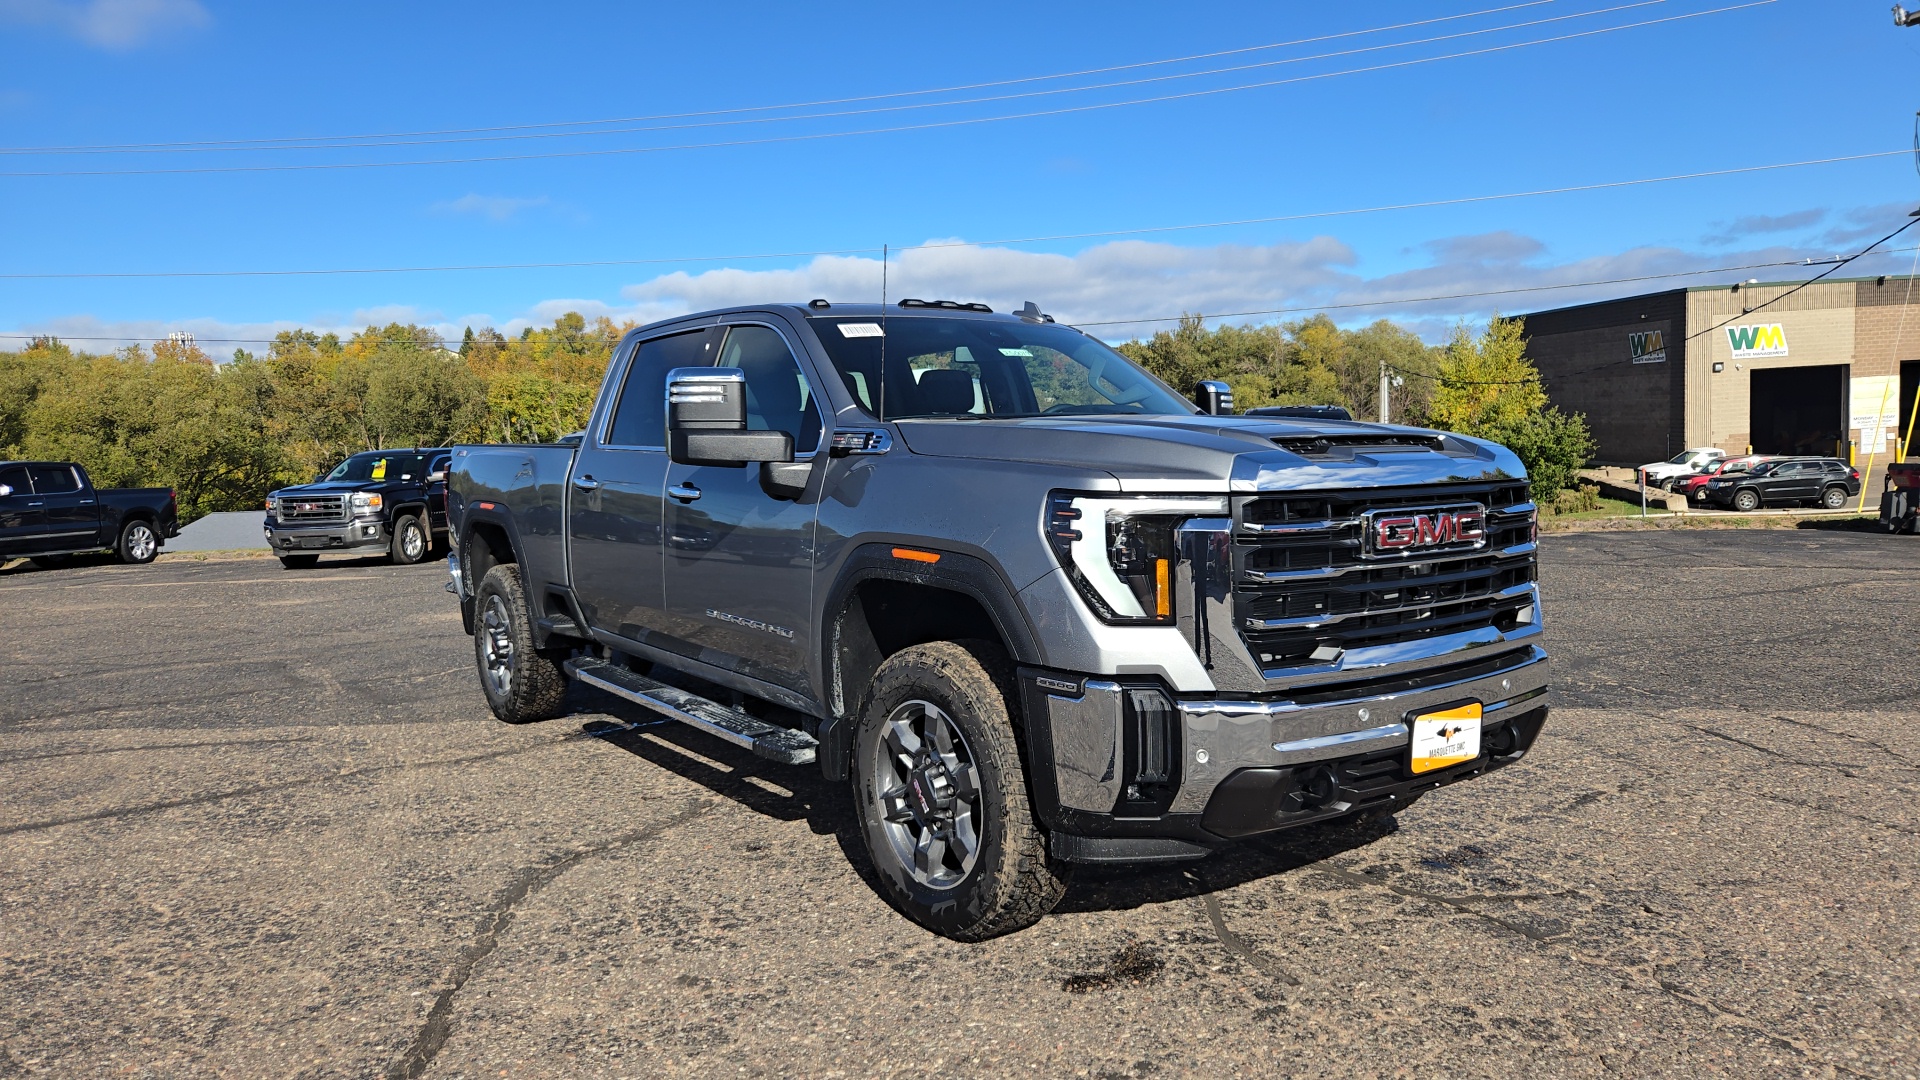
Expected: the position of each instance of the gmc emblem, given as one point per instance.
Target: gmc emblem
(1398, 532)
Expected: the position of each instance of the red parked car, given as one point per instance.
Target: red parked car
(1695, 486)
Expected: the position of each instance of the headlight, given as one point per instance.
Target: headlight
(273, 505)
(1120, 550)
(363, 501)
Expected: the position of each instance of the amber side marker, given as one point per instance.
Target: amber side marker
(912, 555)
(1162, 589)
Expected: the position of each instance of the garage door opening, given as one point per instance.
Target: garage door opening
(1909, 388)
(1800, 410)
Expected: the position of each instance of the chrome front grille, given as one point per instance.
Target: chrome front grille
(1305, 592)
(305, 508)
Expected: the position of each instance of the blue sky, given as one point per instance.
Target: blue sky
(1763, 84)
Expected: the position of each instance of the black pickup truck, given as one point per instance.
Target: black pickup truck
(394, 500)
(50, 509)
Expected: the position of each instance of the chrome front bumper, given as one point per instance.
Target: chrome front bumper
(332, 535)
(1219, 737)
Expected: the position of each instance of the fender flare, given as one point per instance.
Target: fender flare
(967, 575)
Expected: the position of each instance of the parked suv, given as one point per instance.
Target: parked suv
(1031, 605)
(391, 499)
(1829, 482)
(1695, 487)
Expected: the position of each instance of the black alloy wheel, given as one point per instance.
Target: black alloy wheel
(522, 684)
(942, 796)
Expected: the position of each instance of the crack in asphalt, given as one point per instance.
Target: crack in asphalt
(154, 746)
(1457, 903)
(1238, 946)
(1861, 739)
(284, 785)
(438, 1026)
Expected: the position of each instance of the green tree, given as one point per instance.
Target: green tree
(1486, 387)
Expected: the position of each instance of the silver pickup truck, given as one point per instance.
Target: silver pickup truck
(1036, 608)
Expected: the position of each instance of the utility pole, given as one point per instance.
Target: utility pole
(1903, 17)
(1385, 379)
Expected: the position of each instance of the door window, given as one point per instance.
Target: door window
(54, 479)
(640, 416)
(15, 477)
(779, 398)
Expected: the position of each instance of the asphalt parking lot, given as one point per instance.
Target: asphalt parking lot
(259, 823)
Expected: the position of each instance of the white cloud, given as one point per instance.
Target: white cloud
(1126, 280)
(491, 207)
(115, 25)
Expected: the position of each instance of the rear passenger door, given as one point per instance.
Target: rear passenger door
(613, 507)
(72, 512)
(21, 518)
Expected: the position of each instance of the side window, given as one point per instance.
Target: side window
(15, 477)
(54, 479)
(778, 395)
(640, 416)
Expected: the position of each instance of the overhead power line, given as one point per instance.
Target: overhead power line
(935, 245)
(927, 126)
(1393, 302)
(798, 104)
(307, 145)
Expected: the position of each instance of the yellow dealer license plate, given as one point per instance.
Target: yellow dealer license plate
(1447, 737)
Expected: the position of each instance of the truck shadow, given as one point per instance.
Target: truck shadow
(800, 793)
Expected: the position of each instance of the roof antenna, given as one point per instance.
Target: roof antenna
(1032, 313)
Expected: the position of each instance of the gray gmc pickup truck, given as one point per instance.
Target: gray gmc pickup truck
(1035, 607)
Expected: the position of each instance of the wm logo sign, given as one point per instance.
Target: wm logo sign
(1648, 348)
(1754, 342)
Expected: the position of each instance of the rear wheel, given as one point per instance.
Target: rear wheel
(1834, 497)
(299, 562)
(1748, 500)
(138, 543)
(409, 541)
(522, 684)
(942, 796)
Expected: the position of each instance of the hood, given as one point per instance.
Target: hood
(1219, 453)
(336, 487)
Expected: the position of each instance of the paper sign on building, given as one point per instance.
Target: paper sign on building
(1648, 348)
(1757, 342)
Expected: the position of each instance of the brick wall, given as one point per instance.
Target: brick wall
(1636, 411)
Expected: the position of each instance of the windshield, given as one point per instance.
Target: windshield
(972, 367)
(1764, 468)
(1682, 459)
(373, 466)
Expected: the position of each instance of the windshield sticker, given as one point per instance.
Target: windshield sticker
(861, 329)
(1016, 352)
(380, 469)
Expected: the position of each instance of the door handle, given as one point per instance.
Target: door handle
(684, 492)
(586, 483)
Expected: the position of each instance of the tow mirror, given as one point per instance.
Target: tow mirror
(1214, 397)
(707, 421)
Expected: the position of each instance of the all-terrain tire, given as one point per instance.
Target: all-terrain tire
(299, 562)
(1834, 497)
(522, 684)
(139, 542)
(1746, 501)
(411, 540)
(1013, 881)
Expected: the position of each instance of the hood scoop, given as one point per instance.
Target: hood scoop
(1342, 447)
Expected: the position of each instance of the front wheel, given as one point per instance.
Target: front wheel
(942, 797)
(1834, 498)
(1746, 501)
(138, 543)
(522, 684)
(409, 541)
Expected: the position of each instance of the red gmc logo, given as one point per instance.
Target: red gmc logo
(1393, 532)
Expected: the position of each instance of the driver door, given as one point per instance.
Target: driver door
(739, 562)
(22, 518)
